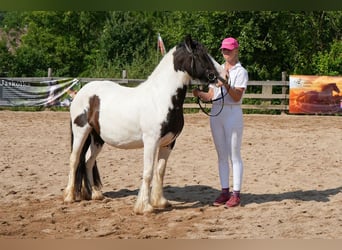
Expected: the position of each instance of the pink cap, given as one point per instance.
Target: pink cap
(229, 43)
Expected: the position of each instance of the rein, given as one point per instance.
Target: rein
(217, 99)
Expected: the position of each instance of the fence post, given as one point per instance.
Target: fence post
(267, 90)
(283, 90)
(49, 72)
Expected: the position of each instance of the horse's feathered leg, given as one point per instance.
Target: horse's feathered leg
(93, 175)
(157, 197)
(142, 204)
(80, 146)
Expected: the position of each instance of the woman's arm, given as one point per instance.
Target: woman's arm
(235, 93)
(205, 96)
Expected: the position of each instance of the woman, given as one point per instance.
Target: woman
(227, 126)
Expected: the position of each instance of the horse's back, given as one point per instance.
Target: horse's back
(104, 91)
(116, 110)
(96, 87)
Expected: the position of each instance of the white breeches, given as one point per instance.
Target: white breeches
(226, 129)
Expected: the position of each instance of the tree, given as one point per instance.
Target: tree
(128, 41)
(6, 59)
(60, 40)
(102, 44)
(329, 62)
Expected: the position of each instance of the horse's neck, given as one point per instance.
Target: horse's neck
(164, 79)
(326, 91)
(167, 84)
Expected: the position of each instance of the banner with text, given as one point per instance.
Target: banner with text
(44, 93)
(315, 94)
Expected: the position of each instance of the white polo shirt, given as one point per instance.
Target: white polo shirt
(238, 79)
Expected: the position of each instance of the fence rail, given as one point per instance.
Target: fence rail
(265, 99)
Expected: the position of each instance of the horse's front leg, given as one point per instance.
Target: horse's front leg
(142, 204)
(157, 196)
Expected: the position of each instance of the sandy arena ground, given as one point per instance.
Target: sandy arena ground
(292, 183)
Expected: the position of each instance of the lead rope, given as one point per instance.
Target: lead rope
(217, 99)
(207, 113)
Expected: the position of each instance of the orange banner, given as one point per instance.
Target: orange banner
(315, 94)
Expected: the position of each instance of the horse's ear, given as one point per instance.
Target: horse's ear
(188, 43)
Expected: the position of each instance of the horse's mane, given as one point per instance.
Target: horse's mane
(165, 62)
(185, 57)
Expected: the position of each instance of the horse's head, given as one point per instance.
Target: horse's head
(335, 88)
(330, 87)
(192, 57)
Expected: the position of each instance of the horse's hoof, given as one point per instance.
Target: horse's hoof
(79, 196)
(163, 203)
(143, 209)
(97, 195)
(68, 201)
(68, 197)
(167, 204)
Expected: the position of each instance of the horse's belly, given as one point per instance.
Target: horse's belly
(124, 141)
(127, 145)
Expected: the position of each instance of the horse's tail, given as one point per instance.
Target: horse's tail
(81, 173)
(71, 136)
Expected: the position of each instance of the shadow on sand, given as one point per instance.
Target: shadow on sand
(199, 195)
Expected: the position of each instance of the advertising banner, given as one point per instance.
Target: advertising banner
(315, 94)
(44, 93)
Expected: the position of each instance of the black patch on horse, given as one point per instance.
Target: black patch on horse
(81, 120)
(98, 141)
(175, 119)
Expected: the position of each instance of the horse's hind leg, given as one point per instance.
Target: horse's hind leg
(157, 197)
(79, 148)
(93, 176)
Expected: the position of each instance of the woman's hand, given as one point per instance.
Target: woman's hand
(195, 92)
(219, 84)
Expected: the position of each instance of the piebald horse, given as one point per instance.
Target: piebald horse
(148, 116)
